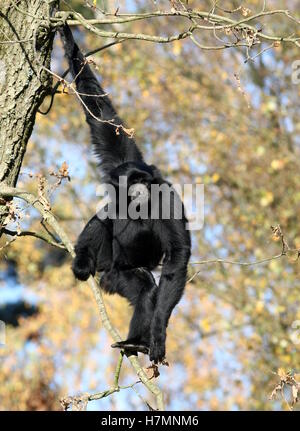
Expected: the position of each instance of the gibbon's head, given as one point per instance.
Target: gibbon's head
(135, 173)
(137, 177)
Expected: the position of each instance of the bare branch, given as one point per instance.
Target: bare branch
(277, 234)
(38, 235)
(218, 22)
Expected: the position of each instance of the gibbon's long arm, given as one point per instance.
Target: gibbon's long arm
(171, 284)
(113, 146)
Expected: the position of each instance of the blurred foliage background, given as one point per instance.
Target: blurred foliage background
(203, 117)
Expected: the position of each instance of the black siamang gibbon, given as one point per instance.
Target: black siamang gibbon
(127, 249)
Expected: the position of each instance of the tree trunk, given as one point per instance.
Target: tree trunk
(23, 81)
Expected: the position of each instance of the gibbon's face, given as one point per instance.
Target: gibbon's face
(136, 177)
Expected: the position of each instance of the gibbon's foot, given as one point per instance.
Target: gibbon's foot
(131, 347)
(157, 351)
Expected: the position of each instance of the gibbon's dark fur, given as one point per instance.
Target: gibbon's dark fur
(128, 250)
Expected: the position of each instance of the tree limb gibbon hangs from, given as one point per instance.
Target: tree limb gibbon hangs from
(127, 250)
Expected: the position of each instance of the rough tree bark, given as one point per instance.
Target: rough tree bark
(25, 46)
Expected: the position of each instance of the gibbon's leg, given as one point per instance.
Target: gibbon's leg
(171, 284)
(139, 329)
(139, 288)
(93, 248)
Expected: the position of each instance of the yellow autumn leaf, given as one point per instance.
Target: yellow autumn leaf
(259, 306)
(205, 325)
(266, 199)
(177, 47)
(215, 178)
(276, 164)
